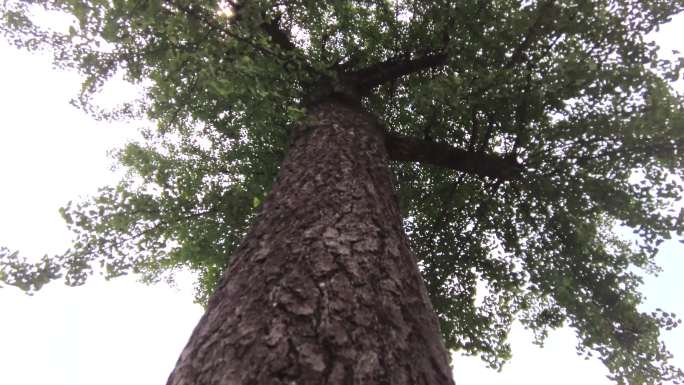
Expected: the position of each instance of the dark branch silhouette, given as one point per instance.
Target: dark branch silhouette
(401, 148)
(367, 78)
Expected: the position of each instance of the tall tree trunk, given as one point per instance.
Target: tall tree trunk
(324, 289)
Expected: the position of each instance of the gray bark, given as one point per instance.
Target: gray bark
(324, 289)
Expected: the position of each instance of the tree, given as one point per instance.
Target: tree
(518, 137)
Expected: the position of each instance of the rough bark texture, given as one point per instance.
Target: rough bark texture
(324, 289)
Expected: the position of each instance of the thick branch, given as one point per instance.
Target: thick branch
(367, 78)
(407, 149)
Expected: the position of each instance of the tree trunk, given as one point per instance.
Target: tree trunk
(324, 289)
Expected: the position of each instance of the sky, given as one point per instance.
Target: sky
(125, 332)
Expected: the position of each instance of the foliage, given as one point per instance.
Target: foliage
(570, 90)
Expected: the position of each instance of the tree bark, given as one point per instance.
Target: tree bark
(324, 289)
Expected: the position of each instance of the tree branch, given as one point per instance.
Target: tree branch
(367, 78)
(277, 35)
(197, 14)
(271, 28)
(407, 149)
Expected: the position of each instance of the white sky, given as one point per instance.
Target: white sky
(123, 332)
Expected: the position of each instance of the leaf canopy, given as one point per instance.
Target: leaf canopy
(570, 91)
